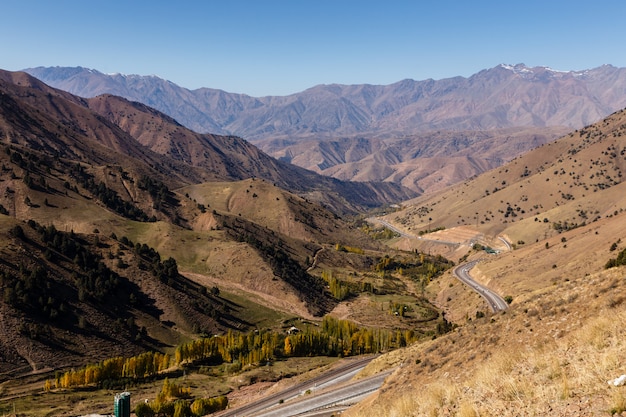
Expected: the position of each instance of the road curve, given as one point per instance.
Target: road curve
(495, 302)
(506, 243)
(391, 227)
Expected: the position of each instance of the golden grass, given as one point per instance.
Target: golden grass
(551, 355)
(515, 380)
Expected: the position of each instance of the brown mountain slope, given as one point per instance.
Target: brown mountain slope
(132, 129)
(81, 173)
(85, 197)
(425, 162)
(562, 208)
(113, 201)
(233, 158)
(272, 207)
(573, 180)
(52, 121)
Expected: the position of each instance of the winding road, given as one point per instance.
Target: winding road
(495, 302)
(334, 392)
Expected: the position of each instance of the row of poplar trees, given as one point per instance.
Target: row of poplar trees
(332, 338)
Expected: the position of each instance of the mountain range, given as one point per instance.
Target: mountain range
(501, 97)
(390, 133)
(140, 132)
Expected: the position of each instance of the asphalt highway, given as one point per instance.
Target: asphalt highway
(392, 227)
(334, 376)
(495, 302)
(315, 404)
(410, 236)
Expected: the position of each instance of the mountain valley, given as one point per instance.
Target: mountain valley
(115, 243)
(124, 232)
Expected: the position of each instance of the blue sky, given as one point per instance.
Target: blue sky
(281, 47)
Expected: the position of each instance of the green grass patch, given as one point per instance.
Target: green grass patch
(188, 247)
(256, 314)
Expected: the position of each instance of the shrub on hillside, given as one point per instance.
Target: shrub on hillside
(620, 260)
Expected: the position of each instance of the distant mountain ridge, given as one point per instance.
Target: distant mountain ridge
(424, 135)
(134, 130)
(501, 97)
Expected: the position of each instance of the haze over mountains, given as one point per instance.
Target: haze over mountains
(389, 133)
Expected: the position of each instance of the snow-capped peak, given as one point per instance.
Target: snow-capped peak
(524, 71)
(518, 68)
(134, 76)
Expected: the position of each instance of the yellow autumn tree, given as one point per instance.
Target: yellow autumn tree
(288, 346)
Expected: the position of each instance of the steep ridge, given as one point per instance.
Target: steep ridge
(42, 118)
(198, 157)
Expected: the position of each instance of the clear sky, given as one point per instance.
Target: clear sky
(266, 47)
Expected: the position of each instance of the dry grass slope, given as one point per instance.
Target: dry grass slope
(562, 339)
(550, 355)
